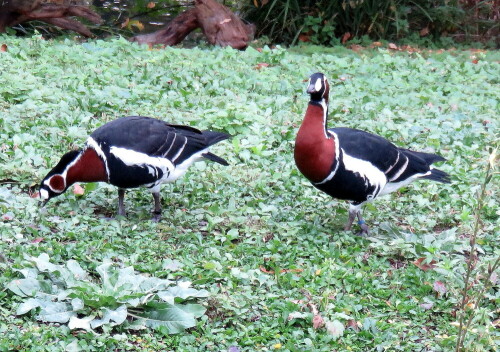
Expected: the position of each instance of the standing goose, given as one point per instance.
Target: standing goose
(130, 152)
(351, 164)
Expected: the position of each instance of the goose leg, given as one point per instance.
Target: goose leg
(121, 204)
(364, 227)
(352, 214)
(157, 209)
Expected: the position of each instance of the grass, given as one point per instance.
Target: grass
(265, 244)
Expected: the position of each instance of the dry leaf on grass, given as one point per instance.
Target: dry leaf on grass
(78, 190)
(425, 266)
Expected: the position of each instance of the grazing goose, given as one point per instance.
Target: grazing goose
(130, 152)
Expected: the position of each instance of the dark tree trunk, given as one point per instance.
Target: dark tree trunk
(13, 12)
(173, 33)
(219, 25)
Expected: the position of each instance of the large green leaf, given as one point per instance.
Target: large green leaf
(55, 312)
(112, 317)
(173, 318)
(26, 287)
(181, 293)
(66, 295)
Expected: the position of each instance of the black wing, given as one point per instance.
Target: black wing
(155, 137)
(397, 164)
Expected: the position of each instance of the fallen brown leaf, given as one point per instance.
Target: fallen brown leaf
(318, 321)
(264, 270)
(261, 65)
(125, 23)
(425, 266)
(424, 31)
(353, 325)
(346, 37)
(78, 190)
(439, 287)
(304, 38)
(393, 46)
(356, 48)
(3, 48)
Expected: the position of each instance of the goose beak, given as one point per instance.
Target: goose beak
(311, 89)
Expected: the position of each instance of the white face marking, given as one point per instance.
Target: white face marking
(318, 84)
(44, 194)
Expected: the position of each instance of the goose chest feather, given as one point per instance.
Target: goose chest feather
(314, 148)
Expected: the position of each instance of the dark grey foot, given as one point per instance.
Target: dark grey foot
(365, 230)
(157, 209)
(156, 216)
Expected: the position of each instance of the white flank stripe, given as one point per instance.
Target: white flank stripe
(133, 158)
(180, 150)
(403, 168)
(372, 175)
(182, 168)
(394, 186)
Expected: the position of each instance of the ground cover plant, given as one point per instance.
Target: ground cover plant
(279, 271)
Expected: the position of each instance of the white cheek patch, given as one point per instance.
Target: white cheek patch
(44, 194)
(318, 85)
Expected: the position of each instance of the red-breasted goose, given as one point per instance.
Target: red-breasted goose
(354, 165)
(130, 152)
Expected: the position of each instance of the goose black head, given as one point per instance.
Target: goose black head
(54, 183)
(318, 87)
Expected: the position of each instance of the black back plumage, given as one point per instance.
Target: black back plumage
(154, 138)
